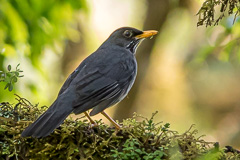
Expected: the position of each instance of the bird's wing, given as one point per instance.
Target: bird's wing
(68, 81)
(71, 77)
(104, 83)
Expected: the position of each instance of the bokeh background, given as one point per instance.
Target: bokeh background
(189, 74)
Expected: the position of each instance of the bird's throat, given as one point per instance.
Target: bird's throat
(132, 46)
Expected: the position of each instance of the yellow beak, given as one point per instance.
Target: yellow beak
(146, 34)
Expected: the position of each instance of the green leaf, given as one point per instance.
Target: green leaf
(10, 88)
(7, 85)
(17, 74)
(14, 79)
(9, 67)
(17, 66)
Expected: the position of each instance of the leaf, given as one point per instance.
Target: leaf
(10, 88)
(17, 74)
(14, 79)
(17, 66)
(9, 68)
(7, 85)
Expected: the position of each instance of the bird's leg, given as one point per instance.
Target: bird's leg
(90, 119)
(111, 120)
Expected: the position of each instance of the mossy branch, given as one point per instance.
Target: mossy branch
(208, 16)
(75, 139)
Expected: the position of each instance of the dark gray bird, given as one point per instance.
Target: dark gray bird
(103, 79)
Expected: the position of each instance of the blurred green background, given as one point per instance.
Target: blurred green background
(189, 74)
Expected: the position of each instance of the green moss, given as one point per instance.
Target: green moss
(75, 139)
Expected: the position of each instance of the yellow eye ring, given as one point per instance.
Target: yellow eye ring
(127, 33)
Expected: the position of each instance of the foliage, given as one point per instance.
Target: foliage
(223, 41)
(207, 14)
(29, 26)
(131, 150)
(75, 139)
(10, 77)
(32, 31)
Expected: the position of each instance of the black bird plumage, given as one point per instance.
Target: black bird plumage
(103, 79)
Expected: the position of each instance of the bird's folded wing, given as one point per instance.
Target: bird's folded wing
(71, 77)
(98, 86)
(68, 81)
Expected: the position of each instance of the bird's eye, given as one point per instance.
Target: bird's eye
(127, 33)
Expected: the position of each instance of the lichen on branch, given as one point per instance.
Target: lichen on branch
(212, 11)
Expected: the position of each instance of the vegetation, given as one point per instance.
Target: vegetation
(75, 139)
(208, 16)
(10, 77)
(28, 28)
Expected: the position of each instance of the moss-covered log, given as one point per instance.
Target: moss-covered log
(75, 139)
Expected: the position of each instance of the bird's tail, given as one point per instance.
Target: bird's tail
(48, 121)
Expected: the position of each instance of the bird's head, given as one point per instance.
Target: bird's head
(128, 37)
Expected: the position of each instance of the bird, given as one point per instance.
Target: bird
(101, 80)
